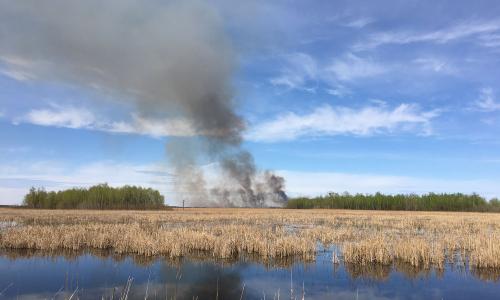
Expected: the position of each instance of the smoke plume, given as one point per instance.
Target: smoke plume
(170, 59)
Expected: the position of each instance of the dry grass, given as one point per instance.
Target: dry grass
(417, 239)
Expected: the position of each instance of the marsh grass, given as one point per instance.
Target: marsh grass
(422, 240)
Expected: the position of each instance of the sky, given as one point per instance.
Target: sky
(356, 96)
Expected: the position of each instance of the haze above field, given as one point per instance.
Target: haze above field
(335, 95)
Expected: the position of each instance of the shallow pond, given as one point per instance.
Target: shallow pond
(32, 275)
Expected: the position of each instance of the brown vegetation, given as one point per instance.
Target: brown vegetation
(417, 239)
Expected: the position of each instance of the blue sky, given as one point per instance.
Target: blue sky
(336, 95)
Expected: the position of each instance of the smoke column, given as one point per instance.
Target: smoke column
(170, 59)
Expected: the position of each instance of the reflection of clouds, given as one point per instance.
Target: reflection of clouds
(91, 293)
(258, 287)
(157, 291)
(199, 285)
(42, 296)
(364, 293)
(96, 275)
(340, 295)
(382, 273)
(202, 280)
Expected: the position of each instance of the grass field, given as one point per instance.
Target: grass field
(419, 239)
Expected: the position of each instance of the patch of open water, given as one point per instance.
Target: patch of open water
(34, 275)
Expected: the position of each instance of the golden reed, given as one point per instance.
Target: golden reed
(421, 239)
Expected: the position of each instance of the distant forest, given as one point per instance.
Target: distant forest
(100, 196)
(410, 202)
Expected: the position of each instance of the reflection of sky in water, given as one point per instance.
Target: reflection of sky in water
(41, 277)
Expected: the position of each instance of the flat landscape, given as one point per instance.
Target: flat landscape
(247, 253)
(420, 239)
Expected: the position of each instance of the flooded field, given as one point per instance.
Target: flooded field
(248, 254)
(104, 276)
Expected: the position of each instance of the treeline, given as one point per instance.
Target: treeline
(410, 202)
(100, 196)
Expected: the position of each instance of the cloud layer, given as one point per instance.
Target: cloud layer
(323, 121)
(303, 72)
(331, 121)
(479, 29)
(81, 118)
(486, 101)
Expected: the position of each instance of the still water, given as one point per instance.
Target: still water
(32, 275)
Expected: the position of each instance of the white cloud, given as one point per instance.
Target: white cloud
(69, 117)
(459, 31)
(435, 65)
(300, 68)
(17, 61)
(330, 121)
(303, 72)
(81, 118)
(320, 183)
(490, 40)
(359, 23)
(486, 101)
(353, 67)
(17, 68)
(152, 127)
(17, 74)
(336, 76)
(339, 91)
(378, 102)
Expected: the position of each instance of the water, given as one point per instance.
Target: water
(33, 275)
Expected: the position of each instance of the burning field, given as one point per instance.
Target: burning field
(419, 239)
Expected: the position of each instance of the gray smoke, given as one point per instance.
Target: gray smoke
(168, 58)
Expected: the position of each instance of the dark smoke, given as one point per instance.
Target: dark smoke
(169, 58)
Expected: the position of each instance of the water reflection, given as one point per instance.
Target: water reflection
(380, 272)
(29, 274)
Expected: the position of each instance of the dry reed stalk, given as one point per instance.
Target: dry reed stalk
(420, 239)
